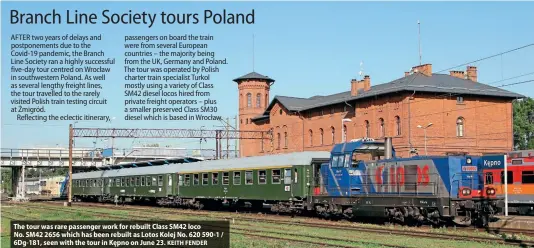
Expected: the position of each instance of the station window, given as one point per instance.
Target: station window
(154, 181)
(276, 176)
(160, 180)
(226, 178)
(287, 176)
(117, 182)
(180, 180)
(489, 177)
(205, 179)
(237, 178)
(249, 179)
(148, 181)
(142, 181)
(214, 178)
(510, 175)
(527, 177)
(262, 177)
(195, 179)
(187, 179)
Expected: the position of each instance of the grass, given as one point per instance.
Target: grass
(360, 239)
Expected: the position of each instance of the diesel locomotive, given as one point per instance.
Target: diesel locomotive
(361, 178)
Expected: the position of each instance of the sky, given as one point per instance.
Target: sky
(309, 48)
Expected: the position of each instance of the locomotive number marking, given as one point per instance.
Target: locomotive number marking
(422, 175)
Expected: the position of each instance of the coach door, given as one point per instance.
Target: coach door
(107, 186)
(169, 184)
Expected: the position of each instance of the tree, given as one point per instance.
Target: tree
(524, 124)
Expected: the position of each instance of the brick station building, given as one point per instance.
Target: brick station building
(467, 116)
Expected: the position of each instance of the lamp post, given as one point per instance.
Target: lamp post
(343, 131)
(424, 129)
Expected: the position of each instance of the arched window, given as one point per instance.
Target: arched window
(249, 100)
(278, 136)
(285, 139)
(321, 133)
(258, 100)
(367, 129)
(345, 133)
(247, 120)
(397, 126)
(460, 127)
(381, 128)
(333, 135)
(310, 132)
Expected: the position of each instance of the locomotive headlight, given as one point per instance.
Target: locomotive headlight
(468, 160)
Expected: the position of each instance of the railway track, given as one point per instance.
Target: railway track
(344, 227)
(297, 237)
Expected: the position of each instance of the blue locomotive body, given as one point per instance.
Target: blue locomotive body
(364, 178)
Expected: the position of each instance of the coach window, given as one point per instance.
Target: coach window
(205, 179)
(489, 177)
(148, 181)
(117, 182)
(187, 179)
(142, 181)
(160, 180)
(527, 177)
(154, 182)
(262, 177)
(510, 175)
(249, 179)
(226, 178)
(276, 177)
(99, 183)
(287, 176)
(237, 178)
(195, 179)
(215, 178)
(296, 176)
(180, 180)
(137, 181)
(110, 183)
(122, 181)
(132, 182)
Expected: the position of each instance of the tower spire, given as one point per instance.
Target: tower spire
(253, 50)
(419, 38)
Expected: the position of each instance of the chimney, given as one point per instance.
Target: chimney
(358, 86)
(366, 83)
(472, 73)
(458, 74)
(425, 69)
(406, 73)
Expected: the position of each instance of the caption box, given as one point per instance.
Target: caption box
(116, 234)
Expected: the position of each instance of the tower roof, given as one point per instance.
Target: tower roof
(253, 75)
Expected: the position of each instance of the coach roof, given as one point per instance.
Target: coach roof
(298, 158)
